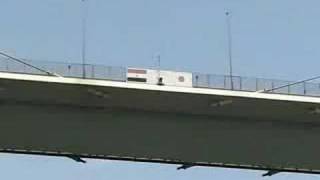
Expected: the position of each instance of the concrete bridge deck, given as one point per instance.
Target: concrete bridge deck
(166, 124)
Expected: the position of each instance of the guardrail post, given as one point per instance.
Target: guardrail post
(69, 69)
(24, 68)
(196, 79)
(304, 88)
(225, 82)
(109, 70)
(208, 81)
(92, 71)
(7, 64)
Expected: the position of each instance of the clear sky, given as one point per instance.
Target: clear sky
(272, 39)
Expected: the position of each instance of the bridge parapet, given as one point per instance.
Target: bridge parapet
(199, 80)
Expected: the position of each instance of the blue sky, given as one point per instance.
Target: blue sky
(34, 167)
(272, 39)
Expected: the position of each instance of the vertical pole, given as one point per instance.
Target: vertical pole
(7, 64)
(159, 65)
(84, 38)
(197, 79)
(228, 18)
(92, 71)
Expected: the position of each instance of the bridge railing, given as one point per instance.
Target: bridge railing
(200, 80)
(255, 84)
(66, 69)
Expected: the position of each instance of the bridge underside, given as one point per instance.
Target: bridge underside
(156, 126)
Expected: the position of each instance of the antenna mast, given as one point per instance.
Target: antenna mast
(228, 21)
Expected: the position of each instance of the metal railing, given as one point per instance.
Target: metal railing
(255, 84)
(199, 80)
(66, 69)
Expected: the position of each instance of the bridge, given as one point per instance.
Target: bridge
(104, 116)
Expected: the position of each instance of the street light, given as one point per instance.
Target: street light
(84, 38)
(228, 21)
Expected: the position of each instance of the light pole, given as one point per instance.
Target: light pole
(228, 21)
(84, 37)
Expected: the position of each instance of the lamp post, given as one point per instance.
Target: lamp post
(228, 21)
(84, 37)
